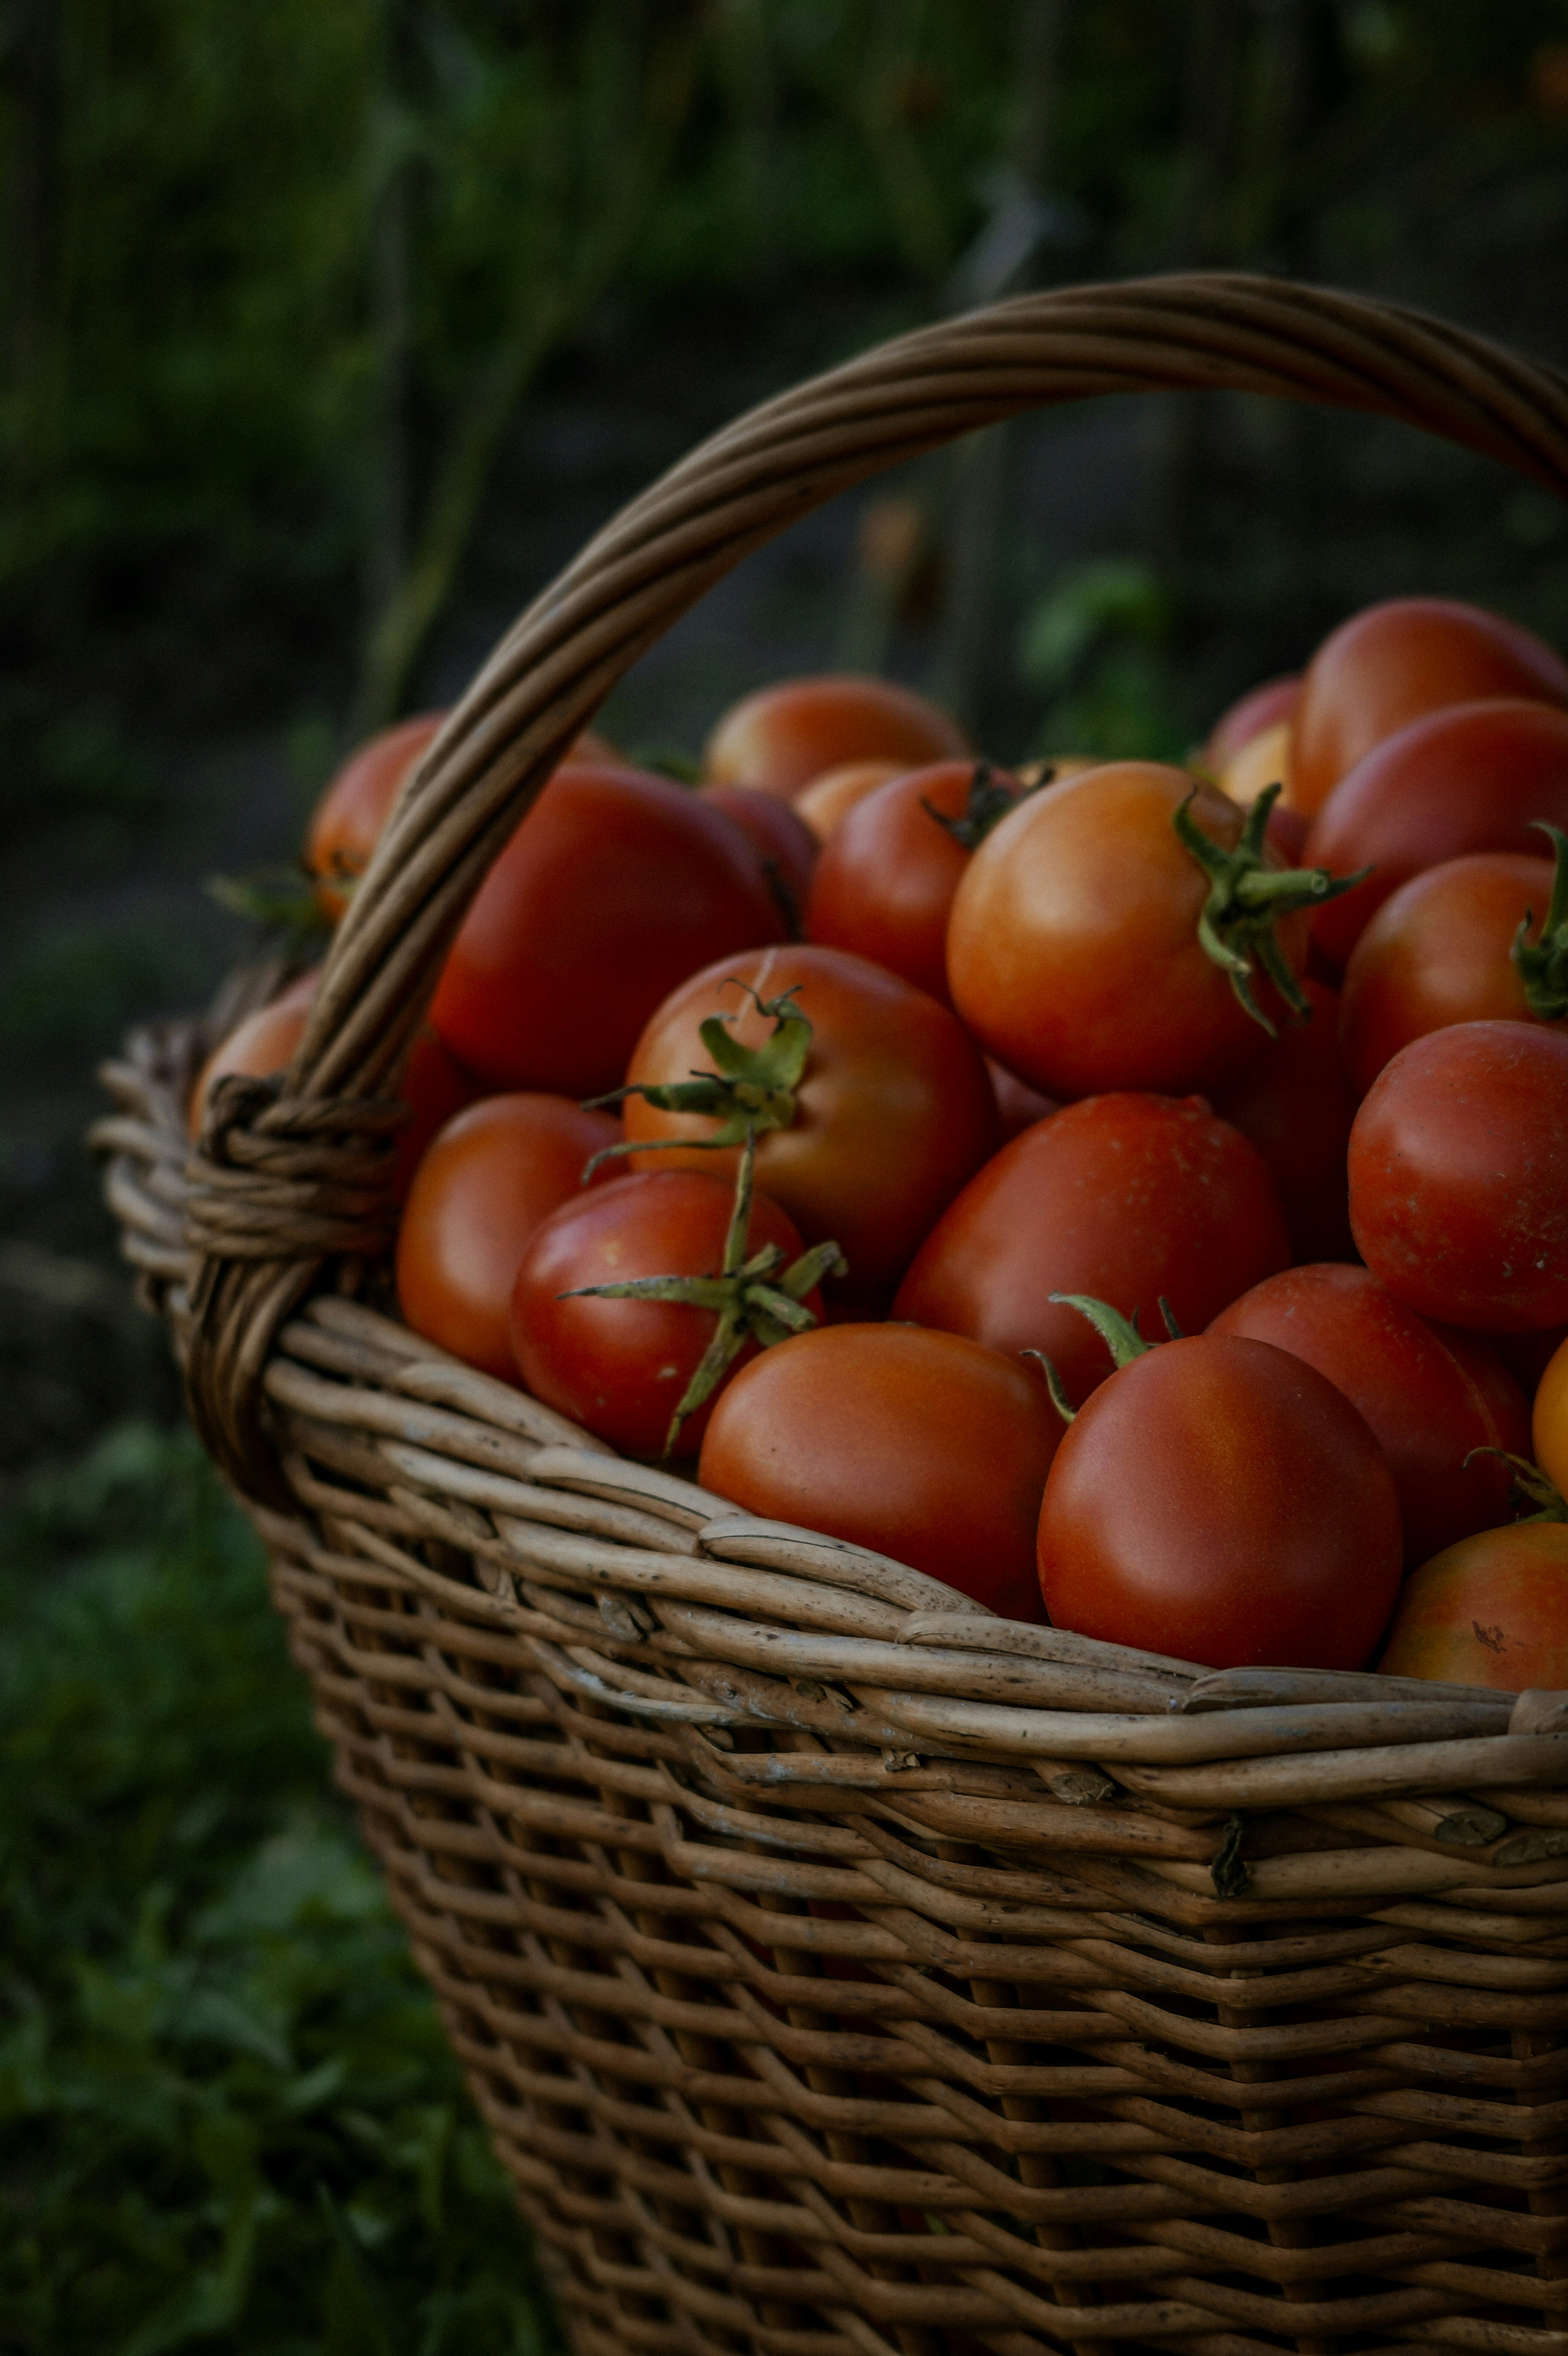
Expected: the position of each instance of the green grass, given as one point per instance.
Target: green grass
(227, 2118)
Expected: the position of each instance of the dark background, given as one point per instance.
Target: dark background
(328, 330)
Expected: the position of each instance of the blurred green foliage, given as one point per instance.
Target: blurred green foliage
(227, 2113)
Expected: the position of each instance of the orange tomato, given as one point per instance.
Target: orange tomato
(1492, 1610)
(783, 737)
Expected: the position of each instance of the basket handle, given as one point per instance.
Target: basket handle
(1203, 332)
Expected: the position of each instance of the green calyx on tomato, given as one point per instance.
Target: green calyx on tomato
(1543, 968)
(1529, 1485)
(988, 805)
(753, 1090)
(1236, 928)
(1120, 1334)
(756, 1299)
(280, 901)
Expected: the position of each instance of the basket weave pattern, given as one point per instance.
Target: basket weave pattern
(841, 1970)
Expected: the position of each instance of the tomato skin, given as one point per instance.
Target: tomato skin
(1549, 1420)
(1121, 1197)
(615, 887)
(1297, 1105)
(486, 1181)
(1252, 715)
(921, 1446)
(776, 829)
(778, 739)
(1468, 778)
(1073, 949)
(1492, 1610)
(1018, 1105)
(1219, 1500)
(1429, 1394)
(1395, 662)
(827, 800)
(894, 1113)
(435, 1085)
(1458, 1169)
(1436, 953)
(358, 802)
(620, 1367)
(885, 882)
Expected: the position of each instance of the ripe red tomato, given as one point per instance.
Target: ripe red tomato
(1492, 1610)
(1430, 1395)
(1072, 949)
(1393, 663)
(1126, 1198)
(1219, 1500)
(621, 1367)
(885, 882)
(1297, 1105)
(1438, 953)
(1458, 1168)
(921, 1446)
(895, 1110)
(827, 800)
(485, 1183)
(1472, 778)
(356, 805)
(1250, 715)
(780, 833)
(616, 887)
(433, 1086)
(783, 737)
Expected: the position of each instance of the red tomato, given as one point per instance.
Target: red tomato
(1438, 953)
(779, 833)
(1072, 949)
(616, 887)
(1219, 1500)
(783, 737)
(1262, 708)
(1429, 1394)
(827, 800)
(1469, 779)
(433, 1086)
(1018, 1105)
(1122, 1197)
(1492, 1610)
(885, 882)
(894, 1113)
(485, 1183)
(621, 1367)
(1458, 1169)
(921, 1446)
(356, 805)
(1297, 1105)
(1395, 662)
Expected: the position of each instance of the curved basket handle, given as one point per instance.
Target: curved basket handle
(1206, 332)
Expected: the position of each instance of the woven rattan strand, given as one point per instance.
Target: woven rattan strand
(841, 1970)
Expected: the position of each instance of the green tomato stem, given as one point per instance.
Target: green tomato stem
(1246, 897)
(1543, 967)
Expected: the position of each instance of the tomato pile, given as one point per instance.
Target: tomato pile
(1137, 1196)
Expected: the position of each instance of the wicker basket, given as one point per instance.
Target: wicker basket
(842, 1970)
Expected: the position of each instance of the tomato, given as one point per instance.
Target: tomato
(1219, 1500)
(1438, 952)
(1492, 1610)
(1297, 1105)
(1549, 1420)
(485, 1183)
(1272, 706)
(885, 882)
(1124, 1197)
(780, 834)
(1473, 777)
(1429, 1394)
(781, 737)
(1458, 1168)
(894, 1112)
(1072, 949)
(615, 887)
(827, 800)
(620, 1367)
(921, 1446)
(1393, 663)
(1018, 1105)
(433, 1086)
(356, 803)
(1262, 760)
